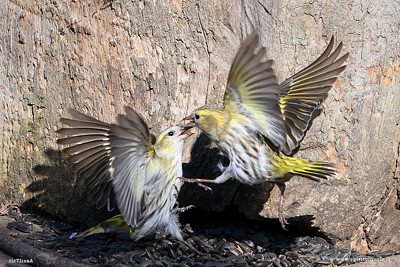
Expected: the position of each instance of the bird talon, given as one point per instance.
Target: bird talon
(197, 181)
(283, 222)
(204, 186)
(183, 209)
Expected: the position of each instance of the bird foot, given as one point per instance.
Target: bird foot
(282, 218)
(183, 209)
(198, 182)
(283, 221)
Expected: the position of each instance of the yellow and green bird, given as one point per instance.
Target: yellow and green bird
(129, 167)
(262, 120)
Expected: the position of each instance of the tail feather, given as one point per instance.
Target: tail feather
(115, 224)
(314, 170)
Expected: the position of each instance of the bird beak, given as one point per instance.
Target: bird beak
(185, 131)
(188, 121)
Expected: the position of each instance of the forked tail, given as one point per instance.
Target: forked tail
(314, 170)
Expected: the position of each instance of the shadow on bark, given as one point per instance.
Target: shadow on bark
(230, 197)
(58, 194)
(203, 164)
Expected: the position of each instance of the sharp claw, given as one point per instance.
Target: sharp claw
(193, 180)
(282, 218)
(205, 187)
(283, 222)
(183, 209)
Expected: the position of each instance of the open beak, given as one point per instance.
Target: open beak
(185, 131)
(188, 121)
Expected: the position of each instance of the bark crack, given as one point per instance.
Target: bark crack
(397, 206)
(207, 49)
(265, 8)
(379, 207)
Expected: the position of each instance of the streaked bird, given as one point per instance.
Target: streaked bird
(117, 224)
(262, 120)
(127, 166)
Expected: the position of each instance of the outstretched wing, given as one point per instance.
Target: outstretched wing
(89, 152)
(302, 93)
(131, 143)
(252, 90)
(111, 158)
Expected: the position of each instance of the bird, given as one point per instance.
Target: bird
(262, 122)
(117, 224)
(126, 166)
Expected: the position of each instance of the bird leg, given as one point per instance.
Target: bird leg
(282, 219)
(183, 209)
(219, 180)
(198, 182)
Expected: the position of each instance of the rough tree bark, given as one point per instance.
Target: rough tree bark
(166, 58)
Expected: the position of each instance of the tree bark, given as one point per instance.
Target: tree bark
(166, 58)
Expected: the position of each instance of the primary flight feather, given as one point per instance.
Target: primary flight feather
(125, 165)
(263, 121)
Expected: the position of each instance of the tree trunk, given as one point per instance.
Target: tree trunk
(166, 58)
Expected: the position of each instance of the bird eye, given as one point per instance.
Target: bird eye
(197, 116)
(171, 133)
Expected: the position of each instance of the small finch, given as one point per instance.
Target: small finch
(117, 224)
(127, 166)
(262, 120)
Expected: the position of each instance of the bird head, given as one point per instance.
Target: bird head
(170, 142)
(211, 121)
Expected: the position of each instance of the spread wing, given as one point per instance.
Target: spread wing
(131, 144)
(302, 93)
(88, 149)
(252, 90)
(111, 158)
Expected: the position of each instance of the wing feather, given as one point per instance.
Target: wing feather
(252, 90)
(88, 150)
(302, 93)
(112, 159)
(131, 144)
